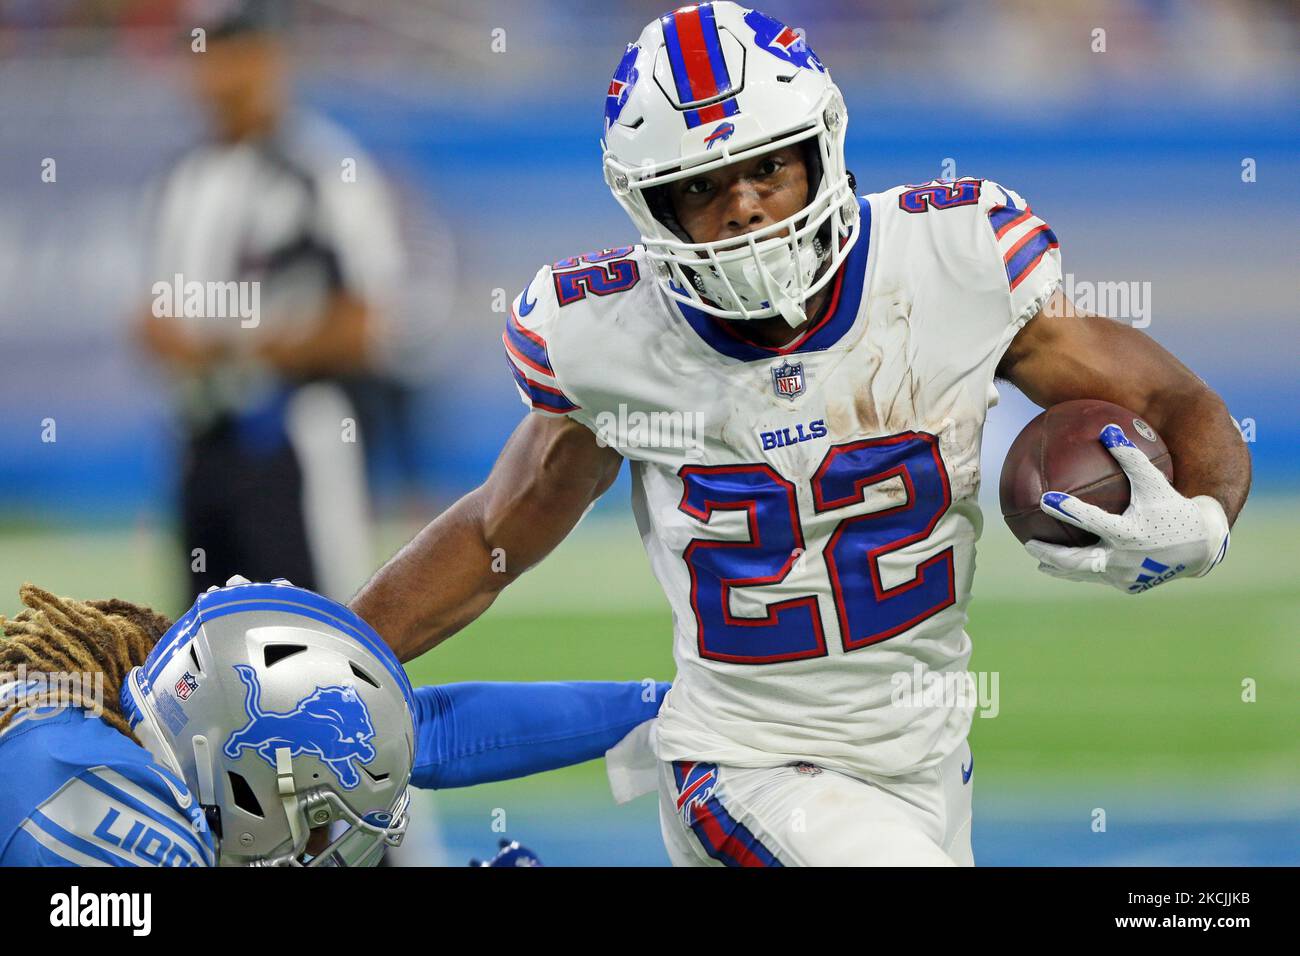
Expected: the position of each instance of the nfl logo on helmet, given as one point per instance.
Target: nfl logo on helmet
(186, 685)
(787, 379)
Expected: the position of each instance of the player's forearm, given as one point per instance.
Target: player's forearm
(1209, 455)
(1063, 354)
(437, 584)
(548, 474)
(479, 732)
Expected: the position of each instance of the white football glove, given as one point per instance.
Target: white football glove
(1160, 536)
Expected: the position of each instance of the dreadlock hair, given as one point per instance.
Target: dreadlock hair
(58, 634)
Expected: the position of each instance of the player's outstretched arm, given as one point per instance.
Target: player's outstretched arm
(1061, 355)
(546, 477)
(480, 732)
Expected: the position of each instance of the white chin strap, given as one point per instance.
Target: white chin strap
(288, 791)
(769, 277)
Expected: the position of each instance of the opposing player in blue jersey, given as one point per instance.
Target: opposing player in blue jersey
(267, 726)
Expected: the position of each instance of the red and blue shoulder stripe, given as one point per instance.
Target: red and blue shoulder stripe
(525, 346)
(530, 363)
(546, 398)
(1023, 240)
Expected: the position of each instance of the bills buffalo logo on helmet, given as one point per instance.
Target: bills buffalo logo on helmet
(722, 133)
(331, 723)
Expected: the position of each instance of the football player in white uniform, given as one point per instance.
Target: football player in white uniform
(799, 377)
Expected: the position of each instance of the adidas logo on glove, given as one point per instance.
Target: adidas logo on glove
(1159, 574)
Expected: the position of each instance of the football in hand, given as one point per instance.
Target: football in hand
(1061, 450)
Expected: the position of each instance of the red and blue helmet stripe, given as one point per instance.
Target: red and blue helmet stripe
(699, 68)
(708, 114)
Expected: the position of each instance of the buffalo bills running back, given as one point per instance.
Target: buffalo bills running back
(268, 726)
(799, 377)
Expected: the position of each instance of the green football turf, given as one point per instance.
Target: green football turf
(1083, 694)
(1094, 685)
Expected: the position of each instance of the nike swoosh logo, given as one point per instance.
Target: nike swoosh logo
(182, 797)
(967, 771)
(524, 305)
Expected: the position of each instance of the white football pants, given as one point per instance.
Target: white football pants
(803, 815)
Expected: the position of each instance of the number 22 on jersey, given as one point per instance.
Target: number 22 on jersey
(868, 612)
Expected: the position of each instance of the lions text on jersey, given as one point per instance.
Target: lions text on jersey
(810, 511)
(79, 793)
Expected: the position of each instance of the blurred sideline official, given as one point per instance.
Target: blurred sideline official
(285, 232)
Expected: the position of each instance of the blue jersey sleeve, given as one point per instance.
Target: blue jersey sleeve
(479, 732)
(77, 792)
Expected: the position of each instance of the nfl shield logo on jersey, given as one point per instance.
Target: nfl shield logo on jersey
(787, 379)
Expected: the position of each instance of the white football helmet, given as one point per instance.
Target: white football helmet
(710, 84)
(282, 711)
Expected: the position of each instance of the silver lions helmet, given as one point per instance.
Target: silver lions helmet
(285, 713)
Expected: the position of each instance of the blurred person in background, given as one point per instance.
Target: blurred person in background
(287, 207)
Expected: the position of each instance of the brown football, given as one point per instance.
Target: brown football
(1060, 451)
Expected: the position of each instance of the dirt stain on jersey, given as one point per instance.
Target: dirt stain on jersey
(851, 410)
(879, 392)
(959, 440)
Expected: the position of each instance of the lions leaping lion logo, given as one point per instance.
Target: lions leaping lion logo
(331, 723)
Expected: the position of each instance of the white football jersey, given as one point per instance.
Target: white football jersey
(810, 511)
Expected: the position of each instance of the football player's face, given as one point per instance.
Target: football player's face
(742, 196)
